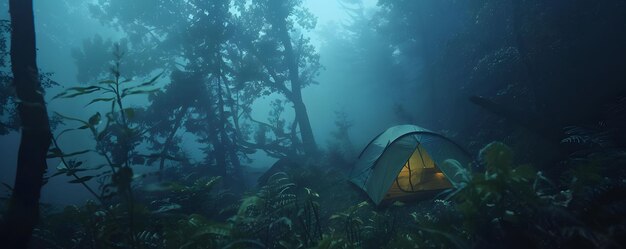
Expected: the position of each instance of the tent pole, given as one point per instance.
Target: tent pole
(421, 157)
(408, 164)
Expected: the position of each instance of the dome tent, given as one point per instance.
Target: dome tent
(407, 161)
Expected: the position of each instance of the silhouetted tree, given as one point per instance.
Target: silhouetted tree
(273, 34)
(9, 120)
(23, 212)
(531, 60)
(228, 54)
(191, 41)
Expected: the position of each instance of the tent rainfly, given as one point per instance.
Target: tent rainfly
(408, 161)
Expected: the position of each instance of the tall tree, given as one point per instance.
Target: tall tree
(192, 41)
(23, 212)
(278, 17)
(274, 35)
(229, 52)
(9, 121)
(529, 59)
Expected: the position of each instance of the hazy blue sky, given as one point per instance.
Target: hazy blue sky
(330, 10)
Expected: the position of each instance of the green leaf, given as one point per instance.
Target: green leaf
(64, 131)
(166, 208)
(95, 119)
(76, 164)
(83, 89)
(523, 173)
(70, 118)
(212, 182)
(81, 179)
(77, 91)
(67, 155)
(70, 172)
(337, 216)
(142, 91)
(77, 153)
(66, 171)
(147, 83)
(74, 171)
(100, 100)
(150, 82)
(496, 155)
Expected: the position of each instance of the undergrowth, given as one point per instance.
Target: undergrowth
(509, 203)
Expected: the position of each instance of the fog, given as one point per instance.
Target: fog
(314, 124)
(381, 63)
(62, 26)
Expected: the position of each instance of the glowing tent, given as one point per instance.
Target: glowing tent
(408, 161)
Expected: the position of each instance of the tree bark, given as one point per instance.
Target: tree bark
(23, 211)
(178, 121)
(302, 117)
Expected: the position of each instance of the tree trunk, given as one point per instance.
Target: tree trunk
(533, 81)
(302, 117)
(23, 211)
(178, 121)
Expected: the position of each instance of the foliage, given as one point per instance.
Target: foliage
(342, 148)
(351, 223)
(115, 141)
(506, 204)
(228, 53)
(92, 226)
(515, 205)
(196, 232)
(279, 215)
(221, 56)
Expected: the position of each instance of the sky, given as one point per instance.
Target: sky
(360, 102)
(330, 10)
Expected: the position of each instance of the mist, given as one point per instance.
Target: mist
(321, 123)
(63, 28)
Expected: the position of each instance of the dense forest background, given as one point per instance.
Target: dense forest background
(234, 123)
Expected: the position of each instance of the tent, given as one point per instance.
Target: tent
(408, 161)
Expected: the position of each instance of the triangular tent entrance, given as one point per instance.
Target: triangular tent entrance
(406, 161)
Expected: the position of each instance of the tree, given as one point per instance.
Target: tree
(227, 51)
(290, 64)
(531, 60)
(23, 212)
(192, 42)
(165, 123)
(9, 120)
(115, 140)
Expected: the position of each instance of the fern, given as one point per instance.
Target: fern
(587, 136)
(280, 214)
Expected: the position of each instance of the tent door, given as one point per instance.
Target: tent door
(419, 173)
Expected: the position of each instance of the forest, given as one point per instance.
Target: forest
(229, 124)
